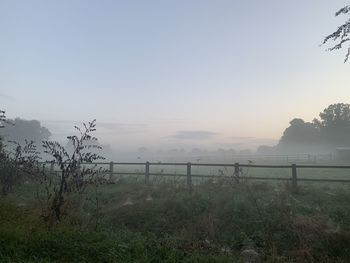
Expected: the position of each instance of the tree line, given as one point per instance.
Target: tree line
(321, 135)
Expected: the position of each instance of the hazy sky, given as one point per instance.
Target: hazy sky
(181, 72)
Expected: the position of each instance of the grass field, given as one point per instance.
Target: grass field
(219, 221)
(177, 173)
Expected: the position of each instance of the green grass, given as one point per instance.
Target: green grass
(214, 223)
(23, 238)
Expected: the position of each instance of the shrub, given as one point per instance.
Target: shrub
(74, 178)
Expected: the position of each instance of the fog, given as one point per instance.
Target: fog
(174, 131)
(318, 139)
(183, 80)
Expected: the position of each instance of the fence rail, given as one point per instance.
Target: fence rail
(237, 172)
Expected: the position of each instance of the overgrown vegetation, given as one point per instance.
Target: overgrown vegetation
(16, 162)
(22, 161)
(216, 223)
(53, 191)
(73, 179)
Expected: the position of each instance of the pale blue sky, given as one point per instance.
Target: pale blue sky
(156, 69)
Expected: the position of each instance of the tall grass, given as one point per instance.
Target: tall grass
(217, 222)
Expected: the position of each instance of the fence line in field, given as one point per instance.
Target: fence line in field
(237, 174)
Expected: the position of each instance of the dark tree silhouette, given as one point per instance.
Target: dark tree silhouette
(341, 35)
(299, 137)
(300, 131)
(20, 130)
(334, 124)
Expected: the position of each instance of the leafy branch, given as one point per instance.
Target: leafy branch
(341, 35)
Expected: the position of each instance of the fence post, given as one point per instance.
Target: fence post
(236, 173)
(147, 173)
(294, 177)
(189, 176)
(111, 171)
(52, 166)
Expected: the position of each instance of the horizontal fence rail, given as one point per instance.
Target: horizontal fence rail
(236, 175)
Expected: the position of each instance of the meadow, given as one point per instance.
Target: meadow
(201, 172)
(219, 220)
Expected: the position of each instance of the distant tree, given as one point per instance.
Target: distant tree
(334, 124)
(299, 137)
(300, 131)
(341, 35)
(245, 152)
(265, 149)
(21, 130)
(331, 130)
(197, 151)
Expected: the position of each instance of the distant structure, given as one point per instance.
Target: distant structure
(342, 153)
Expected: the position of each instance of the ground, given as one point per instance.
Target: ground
(219, 221)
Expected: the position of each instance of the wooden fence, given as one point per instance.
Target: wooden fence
(237, 171)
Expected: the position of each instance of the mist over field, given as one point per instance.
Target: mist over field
(175, 131)
(170, 75)
(324, 136)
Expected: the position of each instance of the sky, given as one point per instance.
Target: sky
(181, 73)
